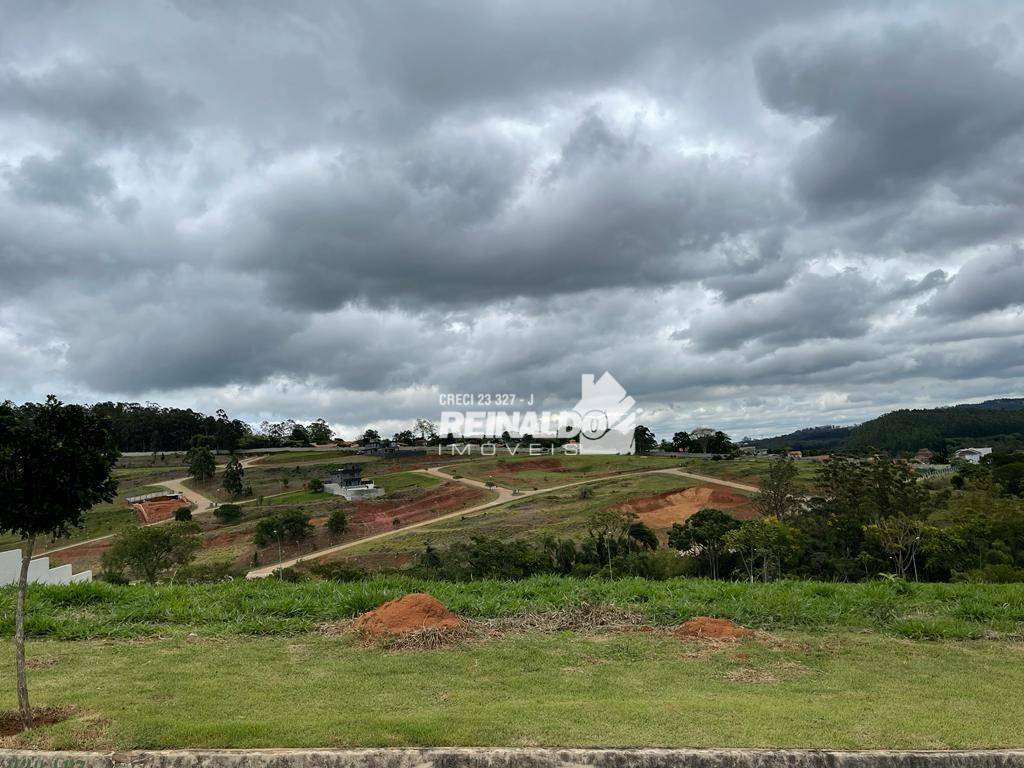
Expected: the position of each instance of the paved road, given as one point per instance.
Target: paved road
(505, 495)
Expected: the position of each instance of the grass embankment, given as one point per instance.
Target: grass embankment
(273, 607)
(750, 471)
(237, 665)
(640, 689)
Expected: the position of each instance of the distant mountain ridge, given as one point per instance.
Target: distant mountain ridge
(1000, 420)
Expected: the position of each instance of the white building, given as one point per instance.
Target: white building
(39, 571)
(973, 455)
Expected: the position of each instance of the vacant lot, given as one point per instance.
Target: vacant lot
(558, 513)
(640, 689)
(834, 669)
(749, 471)
(528, 473)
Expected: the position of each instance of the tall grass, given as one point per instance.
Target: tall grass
(271, 606)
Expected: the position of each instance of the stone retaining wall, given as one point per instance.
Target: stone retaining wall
(514, 758)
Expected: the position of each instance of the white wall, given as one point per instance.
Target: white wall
(39, 571)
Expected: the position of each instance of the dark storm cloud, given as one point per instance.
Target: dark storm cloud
(899, 106)
(69, 179)
(342, 209)
(986, 283)
(110, 101)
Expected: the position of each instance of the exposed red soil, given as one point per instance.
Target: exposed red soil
(661, 510)
(409, 613)
(707, 627)
(156, 510)
(10, 720)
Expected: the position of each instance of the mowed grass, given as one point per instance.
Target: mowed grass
(400, 481)
(845, 691)
(558, 513)
(525, 472)
(749, 470)
(275, 607)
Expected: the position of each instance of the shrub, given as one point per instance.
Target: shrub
(316, 485)
(338, 571)
(183, 514)
(228, 513)
(337, 523)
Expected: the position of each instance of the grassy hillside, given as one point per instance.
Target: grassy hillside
(275, 607)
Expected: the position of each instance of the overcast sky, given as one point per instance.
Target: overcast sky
(756, 216)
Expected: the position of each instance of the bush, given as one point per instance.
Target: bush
(291, 525)
(183, 514)
(337, 523)
(338, 571)
(206, 573)
(316, 485)
(228, 513)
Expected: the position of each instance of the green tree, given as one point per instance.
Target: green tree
(320, 432)
(902, 538)
(337, 522)
(315, 485)
(228, 513)
(643, 439)
(763, 546)
(183, 514)
(153, 551)
(703, 533)
(234, 478)
(778, 496)
(55, 464)
(289, 526)
(201, 464)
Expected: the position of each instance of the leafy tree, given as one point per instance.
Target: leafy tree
(778, 495)
(292, 525)
(681, 440)
(316, 485)
(337, 522)
(763, 546)
(369, 436)
(703, 533)
(299, 434)
(150, 552)
(426, 428)
(228, 513)
(201, 464)
(642, 536)
(902, 539)
(643, 439)
(234, 478)
(55, 463)
(320, 432)
(405, 437)
(183, 514)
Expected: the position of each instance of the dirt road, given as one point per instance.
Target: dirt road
(505, 495)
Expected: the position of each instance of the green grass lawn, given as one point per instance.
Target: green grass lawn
(836, 690)
(272, 607)
(547, 471)
(399, 481)
(749, 470)
(558, 513)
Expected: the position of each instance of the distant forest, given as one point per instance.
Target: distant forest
(151, 427)
(994, 422)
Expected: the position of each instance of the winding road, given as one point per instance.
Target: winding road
(505, 495)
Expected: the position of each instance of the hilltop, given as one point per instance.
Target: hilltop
(998, 422)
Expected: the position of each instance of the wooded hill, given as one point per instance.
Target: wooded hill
(999, 422)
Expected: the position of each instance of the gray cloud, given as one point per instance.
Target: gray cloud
(795, 211)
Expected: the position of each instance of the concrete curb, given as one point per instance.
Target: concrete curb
(515, 758)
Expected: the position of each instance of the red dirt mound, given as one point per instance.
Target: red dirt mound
(711, 628)
(159, 509)
(407, 614)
